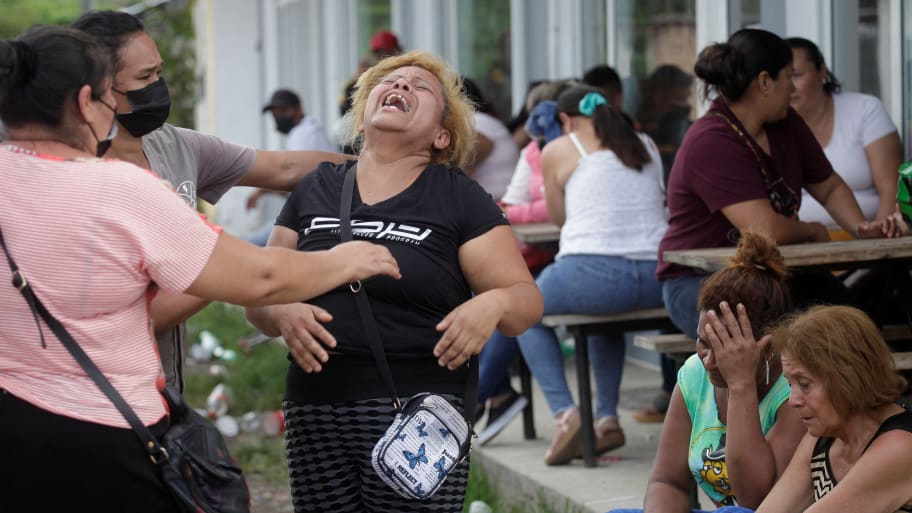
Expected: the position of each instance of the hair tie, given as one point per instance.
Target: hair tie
(758, 266)
(543, 123)
(589, 102)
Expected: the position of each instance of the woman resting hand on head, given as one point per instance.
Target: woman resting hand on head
(857, 453)
(728, 426)
(464, 277)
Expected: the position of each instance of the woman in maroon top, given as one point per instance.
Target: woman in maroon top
(743, 165)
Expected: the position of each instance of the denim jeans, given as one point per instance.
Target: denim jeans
(493, 364)
(588, 284)
(680, 298)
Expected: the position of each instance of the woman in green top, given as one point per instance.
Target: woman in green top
(729, 426)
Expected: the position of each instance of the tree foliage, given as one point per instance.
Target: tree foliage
(19, 15)
(170, 25)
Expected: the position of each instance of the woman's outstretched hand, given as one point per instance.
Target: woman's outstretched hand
(736, 351)
(365, 259)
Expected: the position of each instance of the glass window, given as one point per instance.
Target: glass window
(743, 14)
(861, 53)
(373, 15)
(656, 50)
(484, 49)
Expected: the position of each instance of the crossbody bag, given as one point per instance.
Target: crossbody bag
(428, 437)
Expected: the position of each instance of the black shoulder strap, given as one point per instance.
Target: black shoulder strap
(367, 314)
(155, 451)
(364, 308)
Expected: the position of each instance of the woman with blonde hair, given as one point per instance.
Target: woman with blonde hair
(857, 454)
(411, 197)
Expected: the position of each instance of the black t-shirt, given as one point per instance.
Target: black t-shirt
(423, 227)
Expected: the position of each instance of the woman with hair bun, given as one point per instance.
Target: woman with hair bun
(857, 454)
(728, 426)
(96, 239)
(743, 165)
(602, 186)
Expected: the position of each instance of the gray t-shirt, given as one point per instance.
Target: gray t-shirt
(196, 165)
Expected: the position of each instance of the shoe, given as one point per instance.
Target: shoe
(566, 441)
(499, 417)
(655, 412)
(608, 437)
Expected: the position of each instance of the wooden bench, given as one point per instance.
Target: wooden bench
(671, 343)
(580, 327)
(680, 346)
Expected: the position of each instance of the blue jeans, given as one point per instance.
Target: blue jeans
(493, 361)
(588, 284)
(680, 298)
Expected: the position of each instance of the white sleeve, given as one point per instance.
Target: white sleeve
(876, 122)
(518, 190)
(311, 137)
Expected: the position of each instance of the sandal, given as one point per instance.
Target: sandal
(566, 441)
(608, 436)
(655, 412)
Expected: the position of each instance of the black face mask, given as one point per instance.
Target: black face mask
(285, 124)
(150, 108)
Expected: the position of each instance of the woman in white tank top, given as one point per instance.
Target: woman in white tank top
(602, 185)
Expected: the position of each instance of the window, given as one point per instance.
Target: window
(656, 51)
(373, 15)
(484, 49)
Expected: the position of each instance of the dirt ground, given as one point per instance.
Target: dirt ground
(266, 497)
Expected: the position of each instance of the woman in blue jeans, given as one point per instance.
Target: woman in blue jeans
(602, 186)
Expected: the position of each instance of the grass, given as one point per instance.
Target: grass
(483, 487)
(257, 382)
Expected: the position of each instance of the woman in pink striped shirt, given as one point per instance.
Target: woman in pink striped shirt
(96, 239)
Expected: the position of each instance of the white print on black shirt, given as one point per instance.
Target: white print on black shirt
(373, 229)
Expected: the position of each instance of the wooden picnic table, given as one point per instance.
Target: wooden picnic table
(850, 254)
(537, 233)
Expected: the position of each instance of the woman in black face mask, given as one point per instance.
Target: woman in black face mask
(196, 165)
(72, 119)
(94, 239)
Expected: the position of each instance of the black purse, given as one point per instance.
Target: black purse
(192, 455)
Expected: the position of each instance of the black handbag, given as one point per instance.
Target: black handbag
(192, 455)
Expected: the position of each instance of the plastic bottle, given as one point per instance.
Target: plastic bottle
(218, 401)
(269, 423)
(904, 190)
(204, 350)
(480, 507)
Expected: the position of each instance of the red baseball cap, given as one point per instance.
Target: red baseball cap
(384, 40)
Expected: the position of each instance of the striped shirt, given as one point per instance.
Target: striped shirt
(91, 236)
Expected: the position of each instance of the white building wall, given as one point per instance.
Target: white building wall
(248, 48)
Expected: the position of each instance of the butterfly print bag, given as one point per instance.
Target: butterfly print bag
(429, 436)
